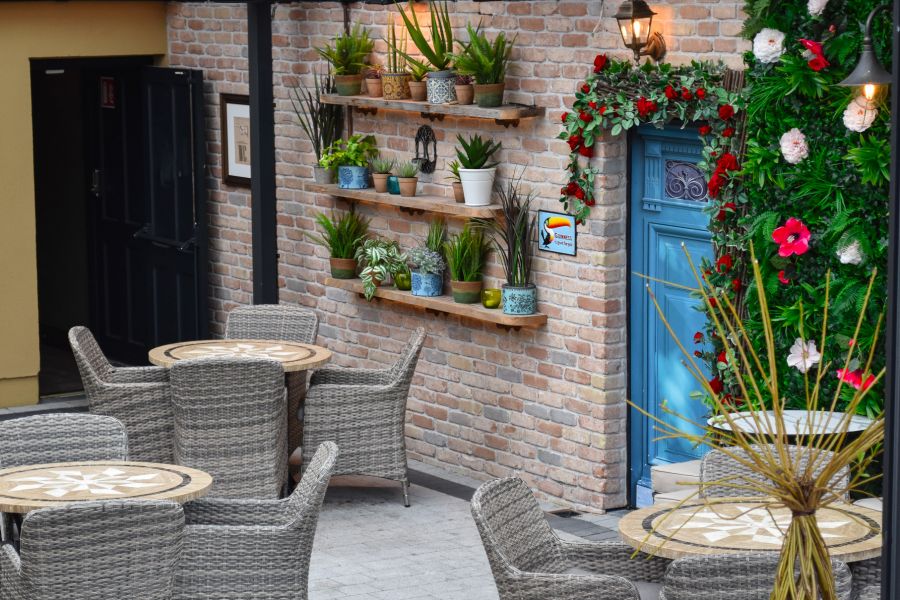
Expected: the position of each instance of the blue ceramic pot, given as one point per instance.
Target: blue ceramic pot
(393, 185)
(428, 284)
(519, 300)
(353, 178)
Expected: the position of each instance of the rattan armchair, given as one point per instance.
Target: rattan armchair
(364, 412)
(530, 562)
(230, 422)
(248, 549)
(139, 397)
(94, 550)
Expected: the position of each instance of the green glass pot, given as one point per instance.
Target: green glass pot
(490, 298)
(403, 281)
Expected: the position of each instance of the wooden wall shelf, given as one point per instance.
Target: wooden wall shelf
(444, 304)
(409, 204)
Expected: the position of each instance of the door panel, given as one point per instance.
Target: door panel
(668, 196)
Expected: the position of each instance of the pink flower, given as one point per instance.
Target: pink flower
(792, 238)
(818, 61)
(855, 378)
(783, 278)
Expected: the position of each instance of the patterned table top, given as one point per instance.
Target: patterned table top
(293, 356)
(26, 488)
(795, 422)
(724, 526)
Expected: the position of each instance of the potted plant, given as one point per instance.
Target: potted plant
(395, 81)
(351, 158)
(322, 123)
(406, 176)
(511, 237)
(373, 81)
(418, 90)
(348, 59)
(428, 276)
(476, 169)
(382, 259)
(437, 51)
(466, 255)
(465, 91)
(342, 236)
(381, 169)
(403, 279)
(455, 182)
(486, 62)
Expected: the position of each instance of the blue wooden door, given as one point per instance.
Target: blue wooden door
(668, 198)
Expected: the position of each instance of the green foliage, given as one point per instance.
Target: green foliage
(407, 169)
(873, 159)
(322, 123)
(382, 166)
(438, 51)
(453, 166)
(482, 59)
(349, 53)
(427, 261)
(513, 234)
(437, 232)
(466, 254)
(355, 151)
(382, 259)
(476, 152)
(396, 59)
(342, 236)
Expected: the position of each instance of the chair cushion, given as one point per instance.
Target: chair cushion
(648, 590)
(683, 493)
(870, 503)
(666, 478)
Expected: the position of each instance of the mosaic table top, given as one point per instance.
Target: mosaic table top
(292, 356)
(852, 533)
(795, 422)
(26, 488)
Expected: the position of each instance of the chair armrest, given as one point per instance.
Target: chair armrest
(224, 512)
(139, 375)
(543, 586)
(332, 376)
(615, 558)
(11, 584)
(329, 395)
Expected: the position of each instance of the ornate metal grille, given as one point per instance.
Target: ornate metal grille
(684, 181)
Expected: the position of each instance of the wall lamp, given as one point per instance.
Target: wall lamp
(635, 21)
(869, 73)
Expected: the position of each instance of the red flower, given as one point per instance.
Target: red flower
(855, 378)
(602, 109)
(704, 130)
(686, 94)
(564, 116)
(727, 162)
(724, 263)
(592, 104)
(571, 188)
(716, 385)
(713, 302)
(645, 107)
(728, 132)
(818, 63)
(590, 202)
(715, 184)
(792, 238)
(587, 151)
(726, 111)
(586, 117)
(575, 141)
(723, 357)
(698, 354)
(698, 338)
(726, 208)
(700, 93)
(579, 193)
(783, 278)
(670, 92)
(736, 284)
(600, 62)
(585, 88)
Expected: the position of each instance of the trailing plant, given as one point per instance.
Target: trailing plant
(341, 235)
(476, 153)
(406, 169)
(380, 259)
(427, 261)
(396, 59)
(453, 166)
(355, 151)
(438, 52)
(349, 51)
(382, 166)
(437, 232)
(482, 59)
(322, 123)
(512, 235)
(466, 253)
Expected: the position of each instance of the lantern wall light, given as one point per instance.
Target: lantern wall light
(635, 20)
(869, 73)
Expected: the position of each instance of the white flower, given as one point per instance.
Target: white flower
(850, 254)
(803, 356)
(860, 114)
(768, 45)
(793, 146)
(816, 7)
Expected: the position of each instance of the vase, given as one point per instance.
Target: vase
(477, 185)
(373, 87)
(519, 300)
(489, 95)
(458, 194)
(348, 85)
(393, 185)
(466, 292)
(490, 298)
(343, 268)
(440, 87)
(381, 181)
(465, 94)
(395, 86)
(403, 281)
(427, 284)
(408, 185)
(323, 175)
(353, 178)
(417, 90)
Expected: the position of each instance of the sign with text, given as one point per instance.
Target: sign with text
(556, 233)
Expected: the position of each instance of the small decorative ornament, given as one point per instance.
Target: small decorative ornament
(768, 45)
(816, 7)
(860, 114)
(803, 356)
(851, 254)
(793, 146)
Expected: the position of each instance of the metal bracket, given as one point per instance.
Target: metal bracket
(432, 116)
(411, 211)
(509, 327)
(507, 122)
(427, 157)
(367, 110)
(433, 311)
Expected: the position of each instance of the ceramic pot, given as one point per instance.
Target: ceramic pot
(395, 86)
(408, 185)
(466, 292)
(519, 300)
(323, 175)
(489, 95)
(440, 87)
(477, 185)
(353, 178)
(343, 268)
(373, 87)
(465, 94)
(348, 85)
(393, 185)
(427, 284)
(417, 90)
(458, 192)
(490, 298)
(381, 181)
(403, 281)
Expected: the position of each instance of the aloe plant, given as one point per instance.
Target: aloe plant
(349, 53)
(342, 236)
(476, 153)
(484, 60)
(466, 254)
(438, 52)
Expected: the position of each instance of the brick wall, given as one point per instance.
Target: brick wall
(547, 404)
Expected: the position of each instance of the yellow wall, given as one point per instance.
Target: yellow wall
(45, 30)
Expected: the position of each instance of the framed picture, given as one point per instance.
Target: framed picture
(235, 114)
(557, 233)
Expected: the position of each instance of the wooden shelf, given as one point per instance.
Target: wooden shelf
(444, 304)
(410, 204)
(506, 115)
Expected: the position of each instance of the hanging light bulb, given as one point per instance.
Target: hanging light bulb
(869, 90)
(868, 73)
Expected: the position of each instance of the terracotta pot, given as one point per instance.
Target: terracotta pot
(323, 175)
(466, 292)
(343, 268)
(348, 85)
(395, 86)
(489, 95)
(380, 181)
(373, 88)
(458, 191)
(465, 94)
(417, 90)
(408, 185)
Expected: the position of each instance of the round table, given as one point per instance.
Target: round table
(727, 526)
(796, 422)
(30, 487)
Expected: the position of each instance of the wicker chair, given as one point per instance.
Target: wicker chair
(364, 411)
(248, 549)
(279, 322)
(230, 422)
(870, 592)
(139, 397)
(734, 577)
(530, 562)
(93, 550)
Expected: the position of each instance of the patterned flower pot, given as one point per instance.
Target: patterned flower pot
(417, 90)
(477, 185)
(408, 185)
(489, 95)
(323, 175)
(393, 185)
(381, 181)
(353, 178)
(519, 300)
(466, 292)
(465, 94)
(343, 268)
(441, 87)
(348, 85)
(427, 284)
(373, 87)
(395, 86)
(458, 192)
(403, 281)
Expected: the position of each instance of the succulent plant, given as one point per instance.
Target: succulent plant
(406, 169)
(427, 261)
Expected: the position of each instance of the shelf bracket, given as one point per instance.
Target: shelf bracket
(367, 110)
(432, 311)
(432, 116)
(411, 211)
(509, 327)
(507, 122)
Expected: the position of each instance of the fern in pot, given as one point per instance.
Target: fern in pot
(380, 259)
(466, 254)
(486, 63)
(342, 236)
(477, 168)
(348, 55)
(322, 123)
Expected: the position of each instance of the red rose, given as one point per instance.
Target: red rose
(587, 151)
(728, 132)
(564, 116)
(716, 385)
(723, 357)
(818, 63)
(715, 184)
(575, 141)
(698, 354)
(698, 337)
(705, 130)
(724, 211)
(670, 92)
(602, 109)
(736, 284)
(713, 302)
(586, 117)
(727, 162)
(724, 264)
(571, 188)
(645, 107)
(783, 278)
(686, 94)
(592, 104)
(579, 193)
(726, 111)
(700, 93)
(585, 88)
(590, 202)
(600, 62)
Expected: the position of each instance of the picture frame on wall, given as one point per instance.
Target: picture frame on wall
(557, 233)
(234, 110)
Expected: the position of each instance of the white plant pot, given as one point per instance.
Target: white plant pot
(477, 185)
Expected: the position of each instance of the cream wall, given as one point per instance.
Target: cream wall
(45, 30)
